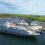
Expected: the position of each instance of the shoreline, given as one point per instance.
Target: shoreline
(22, 16)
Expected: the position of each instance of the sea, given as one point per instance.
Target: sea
(8, 39)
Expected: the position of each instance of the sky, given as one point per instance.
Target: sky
(23, 6)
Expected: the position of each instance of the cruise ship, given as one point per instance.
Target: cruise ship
(21, 29)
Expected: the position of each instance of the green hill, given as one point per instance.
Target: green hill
(33, 17)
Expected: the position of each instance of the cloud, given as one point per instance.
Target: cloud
(8, 3)
(23, 6)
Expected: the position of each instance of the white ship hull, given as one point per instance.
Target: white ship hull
(17, 32)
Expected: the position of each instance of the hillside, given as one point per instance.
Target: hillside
(33, 17)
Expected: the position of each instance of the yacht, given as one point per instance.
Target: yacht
(21, 29)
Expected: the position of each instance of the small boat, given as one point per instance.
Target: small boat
(13, 28)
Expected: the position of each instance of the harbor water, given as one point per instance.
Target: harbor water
(6, 39)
